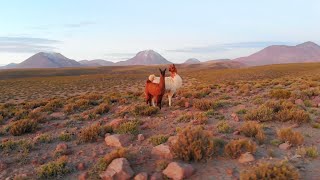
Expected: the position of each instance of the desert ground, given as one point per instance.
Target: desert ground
(248, 123)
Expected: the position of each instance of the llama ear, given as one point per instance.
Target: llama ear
(160, 70)
(165, 69)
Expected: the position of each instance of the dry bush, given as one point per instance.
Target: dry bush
(224, 127)
(185, 118)
(286, 134)
(193, 143)
(144, 110)
(102, 108)
(295, 115)
(54, 169)
(37, 116)
(104, 162)
(10, 146)
(90, 134)
(271, 172)
(53, 105)
(23, 126)
(253, 129)
(203, 104)
(158, 139)
(263, 114)
(236, 147)
(130, 127)
(280, 94)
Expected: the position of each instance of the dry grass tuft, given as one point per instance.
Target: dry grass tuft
(236, 147)
(253, 129)
(23, 126)
(286, 134)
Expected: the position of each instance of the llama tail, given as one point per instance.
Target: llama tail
(151, 77)
(148, 81)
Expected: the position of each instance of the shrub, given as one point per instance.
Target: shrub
(104, 162)
(253, 129)
(102, 108)
(280, 94)
(184, 118)
(200, 119)
(224, 127)
(270, 171)
(295, 115)
(90, 134)
(236, 147)
(311, 151)
(20, 146)
(263, 114)
(145, 110)
(193, 143)
(203, 104)
(286, 134)
(65, 136)
(23, 126)
(130, 127)
(316, 125)
(44, 138)
(53, 105)
(37, 116)
(54, 169)
(158, 139)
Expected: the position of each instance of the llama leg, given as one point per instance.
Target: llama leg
(153, 102)
(170, 94)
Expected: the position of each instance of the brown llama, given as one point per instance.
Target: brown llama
(156, 91)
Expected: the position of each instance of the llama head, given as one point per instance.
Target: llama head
(163, 72)
(172, 68)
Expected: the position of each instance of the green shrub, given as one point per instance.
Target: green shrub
(54, 169)
(158, 139)
(263, 114)
(145, 110)
(90, 134)
(253, 129)
(65, 136)
(270, 171)
(130, 127)
(224, 127)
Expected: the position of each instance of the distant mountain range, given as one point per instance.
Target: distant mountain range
(277, 54)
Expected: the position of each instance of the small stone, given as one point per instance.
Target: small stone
(235, 117)
(236, 133)
(140, 137)
(118, 169)
(178, 171)
(81, 166)
(187, 104)
(172, 139)
(83, 176)
(246, 157)
(162, 151)
(285, 146)
(62, 147)
(141, 176)
(156, 176)
(299, 102)
(229, 171)
(118, 140)
(116, 122)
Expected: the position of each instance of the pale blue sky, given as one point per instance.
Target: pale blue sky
(177, 29)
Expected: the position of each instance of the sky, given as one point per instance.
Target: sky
(177, 29)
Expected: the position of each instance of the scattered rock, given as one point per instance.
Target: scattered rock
(186, 104)
(246, 157)
(236, 133)
(118, 169)
(299, 102)
(58, 115)
(81, 166)
(178, 171)
(141, 176)
(140, 137)
(285, 146)
(61, 147)
(156, 176)
(83, 176)
(172, 139)
(229, 171)
(116, 122)
(162, 151)
(235, 117)
(118, 140)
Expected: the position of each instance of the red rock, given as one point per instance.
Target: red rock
(229, 171)
(236, 133)
(81, 166)
(83, 176)
(285, 146)
(156, 176)
(141, 176)
(140, 137)
(118, 140)
(118, 169)
(172, 139)
(299, 102)
(178, 171)
(162, 151)
(116, 122)
(235, 117)
(62, 147)
(246, 157)
(187, 104)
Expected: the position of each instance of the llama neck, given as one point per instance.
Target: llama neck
(173, 74)
(161, 83)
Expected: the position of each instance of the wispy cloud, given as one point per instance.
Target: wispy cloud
(229, 46)
(118, 56)
(64, 26)
(80, 24)
(26, 44)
